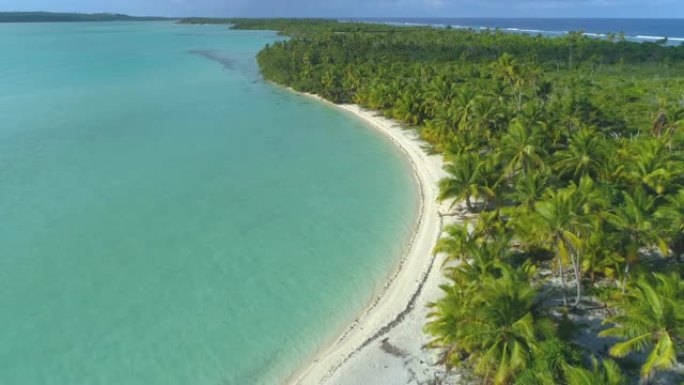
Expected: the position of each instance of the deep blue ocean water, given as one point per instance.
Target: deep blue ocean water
(634, 29)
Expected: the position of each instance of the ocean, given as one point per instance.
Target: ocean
(167, 217)
(639, 30)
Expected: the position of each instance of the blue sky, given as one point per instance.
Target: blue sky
(369, 8)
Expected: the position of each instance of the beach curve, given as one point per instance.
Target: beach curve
(413, 282)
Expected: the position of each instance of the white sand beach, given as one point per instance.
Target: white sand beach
(385, 344)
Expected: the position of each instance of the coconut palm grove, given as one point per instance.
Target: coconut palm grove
(565, 161)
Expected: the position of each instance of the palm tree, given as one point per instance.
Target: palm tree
(448, 109)
(457, 243)
(486, 116)
(584, 155)
(554, 223)
(352, 79)
(479, 261)
(521, 148)
(604, 372)
(482, 260)
(458, 110)
(529, 189)
(633, 219)
(652, 166)
(407, 108)
(507, 67)
(440, 92)
(559, 221)
(451, 310)
(668, 119)
(651, 319)
(491, 322)
(503, 332)
(602, 254)
(672, 218)
(379, 95)
(465, 180)
(441, 126)
(492, 227)
(451, 144)
(510, 71)
(550, 358)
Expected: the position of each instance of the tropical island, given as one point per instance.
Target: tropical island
(565, 167)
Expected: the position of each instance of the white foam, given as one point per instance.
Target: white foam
(523, 30)
(526, 30)
(647, 37)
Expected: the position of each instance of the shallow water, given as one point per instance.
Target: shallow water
(168, 218)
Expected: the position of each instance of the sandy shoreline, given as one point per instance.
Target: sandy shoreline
(384, 344)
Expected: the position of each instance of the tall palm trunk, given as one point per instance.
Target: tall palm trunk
(624, 277)
(677, 247)
(469, 204)
(576, 270)
(561, 274)
(628, 263)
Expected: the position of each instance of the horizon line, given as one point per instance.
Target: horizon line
(345, 17)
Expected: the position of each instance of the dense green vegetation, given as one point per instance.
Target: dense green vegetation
(568, 156)
(294, 27)
(33, 17)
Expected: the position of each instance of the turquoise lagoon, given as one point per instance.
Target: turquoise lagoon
(166, 217)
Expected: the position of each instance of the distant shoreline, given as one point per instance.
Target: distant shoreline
(57, 17)
(641, 30)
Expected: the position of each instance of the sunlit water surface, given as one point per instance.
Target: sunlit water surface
(166, 217)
